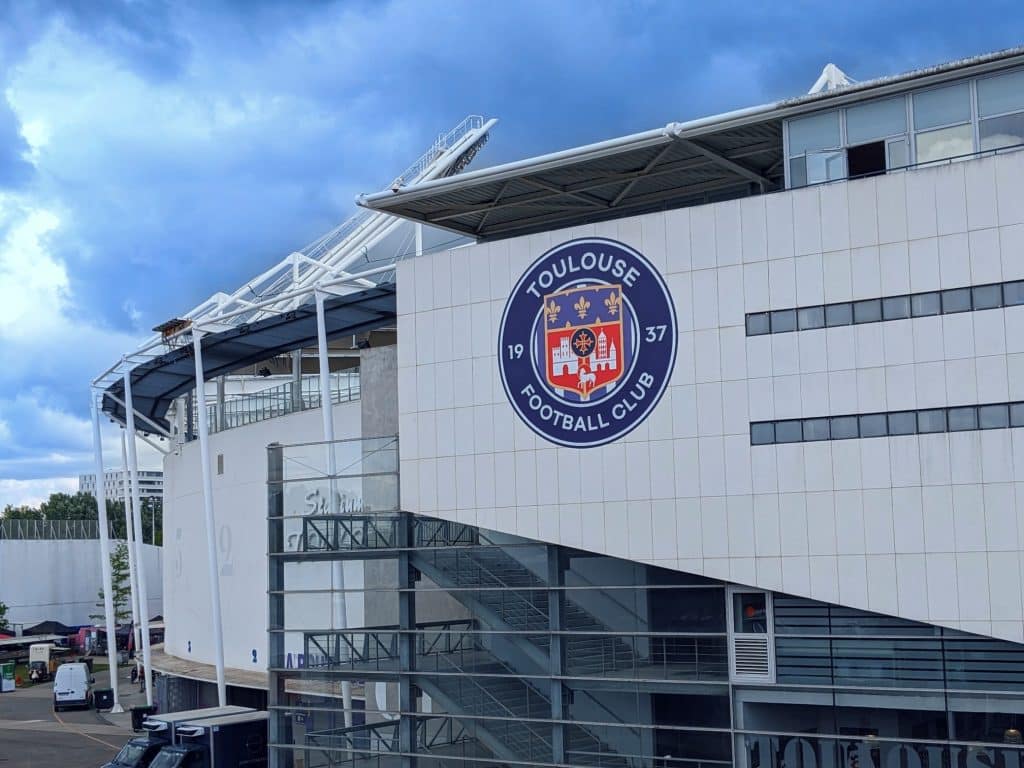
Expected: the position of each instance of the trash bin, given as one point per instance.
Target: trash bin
(139, 714)
(103, 698)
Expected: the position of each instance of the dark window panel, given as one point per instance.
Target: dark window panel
(961, 419)
(987, 296)
(873, 425)
(956, 300)
(1017, 414)
(933, 420)
(762, 434)
(869, 311)
(816, 429)
(993, 416)
(757, 324)
(788, 431)
(1013, 293)
(838, 314)
(811, 317)
(896, 308)
(902, 423)
(924, 304)
(844, 427)
(783, 320)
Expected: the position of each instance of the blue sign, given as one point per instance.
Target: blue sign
(587, 342)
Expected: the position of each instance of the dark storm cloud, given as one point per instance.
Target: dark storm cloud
(191, 145)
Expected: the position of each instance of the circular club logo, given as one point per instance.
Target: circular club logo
(587, 342)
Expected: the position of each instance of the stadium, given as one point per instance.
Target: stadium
(693, 447)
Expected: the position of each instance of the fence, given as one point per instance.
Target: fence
(42, 530)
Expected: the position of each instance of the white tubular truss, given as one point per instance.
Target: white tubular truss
(339, 260)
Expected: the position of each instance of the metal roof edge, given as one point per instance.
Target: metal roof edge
(692, 128)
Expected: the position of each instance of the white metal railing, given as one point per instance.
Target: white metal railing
(270, 403)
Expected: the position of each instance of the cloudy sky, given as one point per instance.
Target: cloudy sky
(153, 153)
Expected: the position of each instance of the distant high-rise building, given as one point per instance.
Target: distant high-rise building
(151, 484)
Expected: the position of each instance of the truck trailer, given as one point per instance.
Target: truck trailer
(161, 731)
(230, 741)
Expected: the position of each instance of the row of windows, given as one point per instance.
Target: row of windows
(920, 422)
(948, 121)
(948, 302)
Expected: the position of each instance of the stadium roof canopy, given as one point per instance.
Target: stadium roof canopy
(156, 382)
(725, 156)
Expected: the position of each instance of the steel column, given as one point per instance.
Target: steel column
(108, 592)
(211, 528)
(133, 469)
(339, 610)
(130, 538)
(557, 652)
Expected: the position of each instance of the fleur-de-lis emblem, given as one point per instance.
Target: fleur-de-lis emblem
(613, 302)
(581, 307)
(552, 310)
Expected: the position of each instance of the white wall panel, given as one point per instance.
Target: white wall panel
(930, 527)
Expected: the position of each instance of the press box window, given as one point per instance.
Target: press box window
(956, 300)
(783, 320)
(811, 317)
(838, 314)
(844, 427)
(962, 419)
(903, 423)
(762, 434)
(993, 417)
(758, 324)
(896, 308)
(987, 296)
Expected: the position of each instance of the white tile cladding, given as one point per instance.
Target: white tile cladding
(927, 527)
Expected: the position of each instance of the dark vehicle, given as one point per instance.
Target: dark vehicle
(140, 751)
(137, 753)
(231, 741)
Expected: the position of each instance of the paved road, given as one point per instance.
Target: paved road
(33, 736)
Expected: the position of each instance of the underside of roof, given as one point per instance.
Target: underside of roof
(658, 172)
(701, 161)
(157, 382)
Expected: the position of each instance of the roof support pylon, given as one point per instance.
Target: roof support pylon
(108, 590)
(339, 610)
(211, 528)
(133, 472)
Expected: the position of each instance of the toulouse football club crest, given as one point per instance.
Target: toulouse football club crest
(587, 342)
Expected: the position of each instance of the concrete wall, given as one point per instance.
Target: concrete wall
(928, 527)
(60, 580)
(240, 509)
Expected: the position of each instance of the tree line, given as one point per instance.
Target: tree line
(82, 506)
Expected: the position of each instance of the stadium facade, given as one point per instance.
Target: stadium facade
(700, 448)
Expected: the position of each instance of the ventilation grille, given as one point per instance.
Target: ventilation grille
(750, 657)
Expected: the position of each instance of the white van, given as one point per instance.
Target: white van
(72, 686)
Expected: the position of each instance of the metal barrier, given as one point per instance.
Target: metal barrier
(240, 410)
(50, 529)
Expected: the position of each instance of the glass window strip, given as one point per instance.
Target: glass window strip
(923, 421)
(970, 298)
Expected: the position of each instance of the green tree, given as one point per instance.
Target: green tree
(67, 506)
(119, 582)
(3, 615)
(22, 513)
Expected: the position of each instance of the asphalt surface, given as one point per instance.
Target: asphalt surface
(32, 735)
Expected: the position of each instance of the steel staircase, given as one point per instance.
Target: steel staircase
(503, 594)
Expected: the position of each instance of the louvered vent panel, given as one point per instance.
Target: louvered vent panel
(751, 657)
